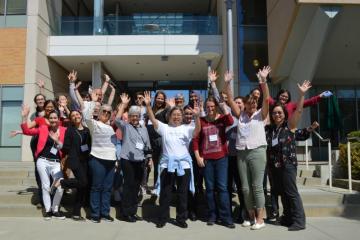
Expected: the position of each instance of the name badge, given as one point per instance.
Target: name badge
(53, 150)
(274, 142)
(84, 148)
(213, 138)
(139, 146)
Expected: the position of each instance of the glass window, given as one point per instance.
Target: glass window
(10, 120)
(347, 105)
(16, 7)
(2, 7)
(12, 93)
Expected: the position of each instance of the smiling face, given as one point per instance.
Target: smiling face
(278, 115)
(239, 102)
(193, 97)
(75, 118)
(256, 93)
(134, 119)
(283, 98)
(159, 100)
(54, 120)
(176, 117)
(62, 100)
(251, 105)
(188, 116)
(49, 107)
(104, 114)
(139, 100)
(39, 101)
(211, 109)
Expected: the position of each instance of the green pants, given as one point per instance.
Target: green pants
(251, 166)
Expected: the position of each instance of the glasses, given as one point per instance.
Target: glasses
(134, 116)
(284, 96)
(106, 112)
(277, 113)
(139, 97)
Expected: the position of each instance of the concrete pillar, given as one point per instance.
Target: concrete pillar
(96, 74)
(229, 38)
(98, 17)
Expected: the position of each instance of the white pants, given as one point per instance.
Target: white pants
(46, 169)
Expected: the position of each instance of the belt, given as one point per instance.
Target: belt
(50, 159)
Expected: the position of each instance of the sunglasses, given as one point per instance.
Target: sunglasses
(106, 112)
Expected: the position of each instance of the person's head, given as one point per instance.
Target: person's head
(278, 114)
(188, 114)
(193, 97)
(211, 106)
(85, 96)
(224, 96)
(54, 119)
(179, 100)
(283, 96)
(139, 98)
(134, 115)
(104, 113)
(256, 93)
(160, 100)
(240, 102)
(96, 110)
(98, 94)
(49, 106)
(39, 100)
(75, 117)
(251, 104)
(175, 116)
(61, 100)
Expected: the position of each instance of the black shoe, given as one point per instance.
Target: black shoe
(192, 216)
(210, 223)
(181, 224)
(130, 219)
(229, 225)
(95, 219)
(78, 218)
(137, 217)
(160, 225)
(296, 228)
(284, 222)
(47, 215)
(58, 215)
(107, 218)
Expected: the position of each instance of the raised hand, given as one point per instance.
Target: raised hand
(25, 110)
(78, 85)
(106, 77)
(228, 76)
(72, 76)
(304, 87)
(212, 76)
(14, 133)
(94, 96)
(195, 110)
(326, 94)
(147, 98)
(125, 99)
(170, 102)
(263, 74)
(54, 136)
(40, 83)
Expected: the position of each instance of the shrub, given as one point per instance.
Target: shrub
(355, 156)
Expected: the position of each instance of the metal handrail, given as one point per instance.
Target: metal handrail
(357, 139)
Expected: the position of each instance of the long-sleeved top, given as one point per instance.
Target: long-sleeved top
(211, 141)
(291, 106)
(75, 105)
(135, 141)
(103, 138)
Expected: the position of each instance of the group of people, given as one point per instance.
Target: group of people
(225, 141)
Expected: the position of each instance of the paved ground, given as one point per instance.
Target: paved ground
(38, 229)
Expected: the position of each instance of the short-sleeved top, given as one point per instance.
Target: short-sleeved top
(250, 131)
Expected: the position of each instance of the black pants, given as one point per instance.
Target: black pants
(198, 182)
(284, 181)
(80, 182)
(167, 181)
(33, 145)
(234, 177)
(133, 175)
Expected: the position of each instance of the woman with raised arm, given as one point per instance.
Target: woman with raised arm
(175, 163)
(251, 146)
(134, 151)
(283, 161)
(48, 153)
(102, 160)
(211, 151)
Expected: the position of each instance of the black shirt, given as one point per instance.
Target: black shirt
(46, 152)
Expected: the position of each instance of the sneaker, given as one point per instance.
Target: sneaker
(107, 218)
(58, 215)
(78, 218)
(95, 219)
(246, 223)
(258, 226)
(229, 225)
(47, 215)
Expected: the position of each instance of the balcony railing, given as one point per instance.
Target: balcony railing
(184, 25)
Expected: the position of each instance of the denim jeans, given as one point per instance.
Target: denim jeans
(216, 176)
(102, 176)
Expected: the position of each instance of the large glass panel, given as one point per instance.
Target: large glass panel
(12, 93)
(16, 7)
(2, 7)
(346, 98)
(10, 120)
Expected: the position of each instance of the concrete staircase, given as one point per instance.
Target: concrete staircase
(18, 195)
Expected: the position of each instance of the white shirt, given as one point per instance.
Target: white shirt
(175, 140)
(251, 131)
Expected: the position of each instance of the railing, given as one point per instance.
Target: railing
(112, 25)
(349, 139)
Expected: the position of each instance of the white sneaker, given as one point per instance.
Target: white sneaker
(246, 223)
(258, 226)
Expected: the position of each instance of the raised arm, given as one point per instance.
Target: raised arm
(105, 84)
(212, 76)
(25, 110)
(147, 100)
(123, 105)
(262, 75)
(112, 95)
(41, 85)
(78, 96)
(228, 77)
(72, 79)
(303, 88)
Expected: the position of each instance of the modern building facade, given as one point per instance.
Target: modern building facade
(161, 44)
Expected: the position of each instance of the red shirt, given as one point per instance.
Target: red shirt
(211, 141)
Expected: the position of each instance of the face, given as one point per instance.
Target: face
(39, 101)
(98, 94)
(86, 97)
(251, 105)
(193, 97)
(48, 108)
(210, 108)
(278, 115)
(96, 109)
(104, 115)
(53, 120)
(283, 98)
(75, 118)
(159, 100)
(179, 101)
(188, 116)
(224, 97)
(139, 100)
(62, 100)
(256, 94)
(176, 118)
(240, 104)
(134, 119)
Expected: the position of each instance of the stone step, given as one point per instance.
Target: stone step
(306, 173)
(308, 181)
(17, 181)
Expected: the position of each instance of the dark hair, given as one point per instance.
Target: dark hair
(39, 94)
(84, 94)
(187, 107)
(212, 99)
(59, 95)
(239, 97)
(139, 93)
(260, 100)
(282, 107)
(281, 92)
(168, 114)
(50, 101)
(56, 112)
(155, 108)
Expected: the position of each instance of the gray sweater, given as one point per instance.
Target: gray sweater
(135, 143)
